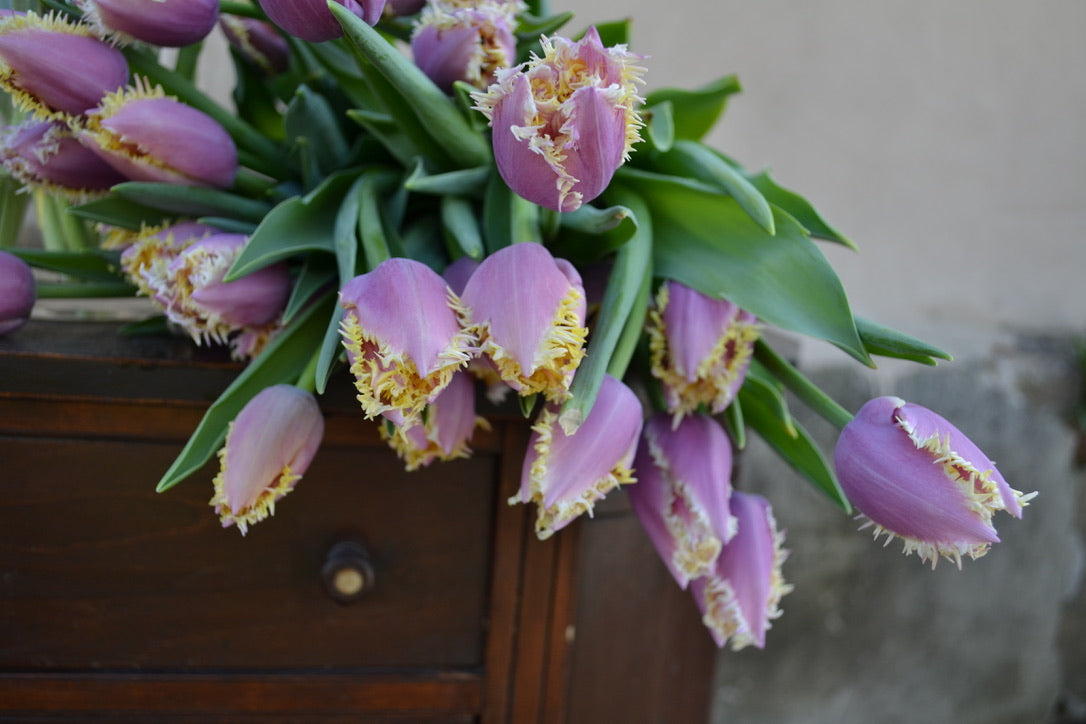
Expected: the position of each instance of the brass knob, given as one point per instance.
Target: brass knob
(347, 572)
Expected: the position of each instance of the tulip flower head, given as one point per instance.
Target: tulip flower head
(564, 475)
(701, 348)
(147, 257)
(464, 43)
(167, 23)
(914, 475)
(403, 338)
(683, 491)
(46, 155)
(312, 20)
(563, 123)
(742, 594)
(148, 136)
(17, 292)
(257, 42)
(39, 56)
(527, 310)
(445, 429)
(269, 446)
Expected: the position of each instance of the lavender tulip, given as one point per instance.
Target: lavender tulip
(444, 432)
(312, 20)
(258, 42)
(168, 23)
(467, 44)
(149, 137)
(17, 292)
(564, 475)
(742, 594)
(917, 477)
(565, 122)
(146, 259)
(701, 348)
(528, 311)
(269, 446)
(54, 68)
(403, 338)
(46, 155)
(683, 491)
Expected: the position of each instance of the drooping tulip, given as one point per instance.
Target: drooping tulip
(467, 44)
(149, 137)
(312, 20)
(54, 68)
(701, 348)
(742, 594)
(565, 475)
(445, 430)
(914, 475)
(403, 338)
(167, 23)
(17, 292)
(682, 492)
(528, 311)
(258, 42)
(563, 123)
(46, 155)
(147, 257)
(269, 446)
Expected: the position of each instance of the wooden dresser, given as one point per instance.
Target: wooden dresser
(372, 595)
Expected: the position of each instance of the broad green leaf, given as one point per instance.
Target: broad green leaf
(310, 117)
(465, 182)
(887, 342)
(330, 350)
(84, 290)
(771, 391)
(705, 240)
(345, 233)
(531, 26)
(192, 200)
(798, 208)
(696, 111)
(461, 225)
(734, 424)
(379, 242)
(92, 265)
(391, 134)
(589, 233)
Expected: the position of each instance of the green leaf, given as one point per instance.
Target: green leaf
(281, 361)
(389, 131)
(734, 424)
(800, 386)
(311, 118)
(330, 350)
(705, 240)
(317, 273)
(798, 208)
(461, 225)
(378, 241)
(507, 218)
(888, 342)
(589, 233)
(660, 126)
(124, 213)
(530, 27)
(696, 111)
(12, 210)
(191, 201)
(465, 182)
(92, 265)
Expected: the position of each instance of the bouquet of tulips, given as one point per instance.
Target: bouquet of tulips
(454, 197)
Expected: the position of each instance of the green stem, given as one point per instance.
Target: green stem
(801, 387)
(85, 290)
(187, 58)
(307, 380)
(247, 10)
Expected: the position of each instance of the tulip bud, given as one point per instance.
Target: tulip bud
(312, 20)
(564, 123)
(564, 475)
(53, 68)
(528, 311)
(467, 44)
(17, 292)
(683, 491)
(269, 446)
(915, 476)
(149, 137)
(444, 431)
(258, 42)
(742, 594)
(168, 23)
(46, 155)
(701, 348)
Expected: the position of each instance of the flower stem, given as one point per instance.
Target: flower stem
(802, 387)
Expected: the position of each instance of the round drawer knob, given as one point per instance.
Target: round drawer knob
(347, 572)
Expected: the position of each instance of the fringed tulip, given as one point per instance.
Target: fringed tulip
(682, 492)
(444, 431)
(269, 446)
(46, 155)
(915, 476)
(565, 122)
(467, 44)
(54, 68)
(742, 594)
(701, 348)
(312, 20)
(528, 311)
(146, 259)
(403, 338)
(17, 292)
(257, 42)
(168, 23)
(149, 137)
(564, 475)
(482, 368)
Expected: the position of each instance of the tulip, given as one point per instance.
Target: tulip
(565, 122)
(149, 137)
(269, 446)
(683, 491)
(403, 338)
(53, 67)
(45, 154)
(742, 594)
(168, 23)
(701, 348)
(528, 311)
(146, 259)
(258, 42)
(444, 431)
(466, 44)
(914, 475)
(564, 475)
(456, 275)
(17, 292)
(312, 20)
